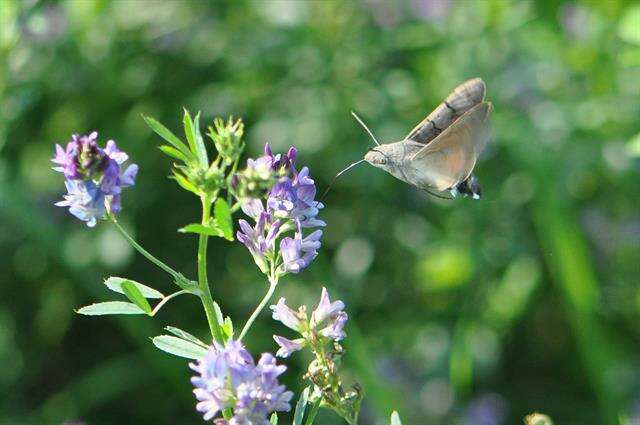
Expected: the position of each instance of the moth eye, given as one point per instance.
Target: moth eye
(383, 161)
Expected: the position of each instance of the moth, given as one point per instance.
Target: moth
(440, 153)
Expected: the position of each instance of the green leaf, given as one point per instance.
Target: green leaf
(110, 307)
(179, 347)
(200, 229)
(395, 418)
(314, 408)
(192, 131)
(201, 150)
(174, 153)
(184, 183)
(185, 335)
(115, 284)
(274, 419)
(300, 406)
(223, 218)
(188, 130)
(167, 135)
(218, 312)
(227, 327)
(133, 293)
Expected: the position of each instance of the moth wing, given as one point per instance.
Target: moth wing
(461, 99)
(450, 157)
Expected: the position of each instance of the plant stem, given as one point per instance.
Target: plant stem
(203, 282)
(166, 299)
(177, 276)
(273, 282)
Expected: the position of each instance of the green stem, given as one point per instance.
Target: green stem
(177, 276)
(203, 282)
(273, 282)
(166, 299)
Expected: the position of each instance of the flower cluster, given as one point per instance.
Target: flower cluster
(227, 377)
(94, 177)
(287, 204)
(321, 333)
(327, 322)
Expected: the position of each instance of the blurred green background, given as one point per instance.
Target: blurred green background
(461, 312)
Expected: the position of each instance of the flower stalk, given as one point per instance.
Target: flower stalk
(180, 280)
(273, 283)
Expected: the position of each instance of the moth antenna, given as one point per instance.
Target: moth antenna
(338, 175)
(365, 127)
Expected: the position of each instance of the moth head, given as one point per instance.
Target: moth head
(377, 157)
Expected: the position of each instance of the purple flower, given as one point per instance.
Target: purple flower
(287, 346)
(334, 329)
(291, 319)
(85, 201)
(286, 161)
(227, 377)
(298, 253)
(252, 207)
(260, 240)
(294, 199)
(95, 178)
(325, 309)
(66, 159)
(327, 320)
(290, 206)
(258, 397)
(330, 317)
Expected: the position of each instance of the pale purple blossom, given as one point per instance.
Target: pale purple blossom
(94, 177)
(288, 346)
(298, 253)
(227, 377)
(326, 323)
(290, 318)
(326, 308)
(295, 199)
(289, 205)
(85, 201)
(259, 240)
(329, 318)
(334, 328)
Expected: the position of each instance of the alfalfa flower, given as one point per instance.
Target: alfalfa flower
(280, 200)
(326, 323)
(321, 333)
(94, 177)
(227, 377)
